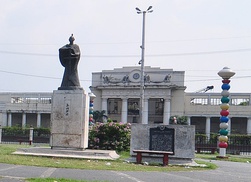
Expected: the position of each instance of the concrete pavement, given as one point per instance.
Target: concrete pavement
(227, 172)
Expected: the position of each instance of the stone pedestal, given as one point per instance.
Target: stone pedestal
(69, 119)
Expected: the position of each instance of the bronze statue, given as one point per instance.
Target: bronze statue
(69, 56)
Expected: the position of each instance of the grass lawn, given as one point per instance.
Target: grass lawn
(116, 165)
(57, 180)
(120, 164)
(231, 158)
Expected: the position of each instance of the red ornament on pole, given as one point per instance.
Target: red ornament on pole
(223, 145)
(224, 113)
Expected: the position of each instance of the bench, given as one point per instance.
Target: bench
(25, 141)
(164, 153)
(212, 149)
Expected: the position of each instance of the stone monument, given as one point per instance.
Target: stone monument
(70, 104)
(179, 139)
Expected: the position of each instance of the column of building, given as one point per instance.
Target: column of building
(4, 118)
(189, 120)
(104, 105)
(124, 110)
(38, 119)
(249, 126)
(229, 126)
(23, 119)
(208, 127)
(145, 112)
(167, 111)
(9, 119)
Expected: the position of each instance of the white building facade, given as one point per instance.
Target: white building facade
(25, 109)
(118, 93)
(203, 111)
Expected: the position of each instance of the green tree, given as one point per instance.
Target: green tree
(182, 120)
(99, 115)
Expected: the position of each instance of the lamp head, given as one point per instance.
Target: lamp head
(150, 7)
(137, 9)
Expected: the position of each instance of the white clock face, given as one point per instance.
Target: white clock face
(134, 76)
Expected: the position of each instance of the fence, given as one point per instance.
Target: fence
(24, 135)
(237, 144)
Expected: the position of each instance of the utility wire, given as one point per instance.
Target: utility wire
(126, 56)
(135, 42)
(38, 76)
(47, 77)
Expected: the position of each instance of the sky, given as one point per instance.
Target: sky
(199, 37)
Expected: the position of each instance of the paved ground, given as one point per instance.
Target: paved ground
(227, 172)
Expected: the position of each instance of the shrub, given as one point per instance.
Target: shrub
(182, 120)
(110, 136)
(15, 131)
(19, 131)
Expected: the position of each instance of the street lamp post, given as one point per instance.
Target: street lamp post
(141, 62)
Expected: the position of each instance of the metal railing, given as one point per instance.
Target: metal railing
(237, 144)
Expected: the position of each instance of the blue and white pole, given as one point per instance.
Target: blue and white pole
(226, 73)
(91, 108)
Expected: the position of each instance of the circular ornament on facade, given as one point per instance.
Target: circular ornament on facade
(134, 76)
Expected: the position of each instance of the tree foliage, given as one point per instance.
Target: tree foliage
(99, 115)
(182, 120)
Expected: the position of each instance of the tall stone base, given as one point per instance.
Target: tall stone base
(69, 119)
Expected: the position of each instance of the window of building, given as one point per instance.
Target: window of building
(114, 106)
(31, 100)
(133, 106)
(155, 106)
(199, 101)
(242, 102)
(17, 100)
(215, 101)
(45, 100)
(159, 106)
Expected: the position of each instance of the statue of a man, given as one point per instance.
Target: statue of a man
(69, 56)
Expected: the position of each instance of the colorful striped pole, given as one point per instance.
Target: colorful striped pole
(91, 108)
(226, 73)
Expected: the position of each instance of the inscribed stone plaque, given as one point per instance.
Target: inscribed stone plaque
(162, 139)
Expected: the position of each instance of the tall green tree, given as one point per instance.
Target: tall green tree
(98, 116)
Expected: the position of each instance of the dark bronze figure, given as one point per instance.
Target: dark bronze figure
(69, 56)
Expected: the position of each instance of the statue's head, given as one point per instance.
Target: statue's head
(71, 39)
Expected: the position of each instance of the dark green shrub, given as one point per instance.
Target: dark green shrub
(110, 136)
(239, 139)
(15, 131)
(19, 131)
(182, 120)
